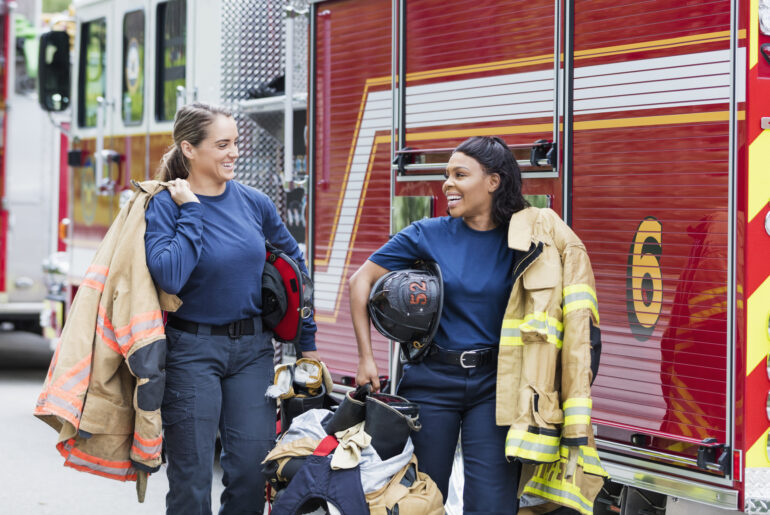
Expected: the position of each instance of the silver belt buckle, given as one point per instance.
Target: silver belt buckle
(462, 358)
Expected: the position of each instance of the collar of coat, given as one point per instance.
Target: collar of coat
(521, 227)
(151, 188)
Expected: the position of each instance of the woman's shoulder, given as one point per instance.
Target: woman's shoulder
(161, 201)
(437, 223)
(251, 192)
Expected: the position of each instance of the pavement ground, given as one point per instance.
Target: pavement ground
(33, 480)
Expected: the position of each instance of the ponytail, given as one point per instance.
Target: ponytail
(173, 165)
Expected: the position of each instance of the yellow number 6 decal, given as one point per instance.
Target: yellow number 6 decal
(644, 280)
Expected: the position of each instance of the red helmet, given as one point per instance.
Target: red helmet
(405, 306)
(287, 296)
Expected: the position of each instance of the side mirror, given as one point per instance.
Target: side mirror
(53, 71)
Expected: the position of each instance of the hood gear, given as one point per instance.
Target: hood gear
(287, 296)
(405, 306)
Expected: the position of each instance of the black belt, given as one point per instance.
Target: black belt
(465, 359)
(233, 329)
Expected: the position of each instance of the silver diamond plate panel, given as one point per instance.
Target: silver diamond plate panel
(757, 490)
(300, 53)
(252, 54)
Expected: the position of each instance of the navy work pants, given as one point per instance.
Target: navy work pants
(452, 398)
(217, 382)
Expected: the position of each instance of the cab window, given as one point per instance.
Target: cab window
(92, 75)
(170, 72)
(133, 68)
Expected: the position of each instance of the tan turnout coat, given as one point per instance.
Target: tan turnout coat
(544, 365)
(105, 384)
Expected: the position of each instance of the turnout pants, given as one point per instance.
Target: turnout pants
(217, 382)
(452, 398)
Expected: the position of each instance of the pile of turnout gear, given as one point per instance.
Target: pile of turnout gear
(351, 458)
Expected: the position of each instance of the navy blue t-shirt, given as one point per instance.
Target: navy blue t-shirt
(212, 254)
(477, 267)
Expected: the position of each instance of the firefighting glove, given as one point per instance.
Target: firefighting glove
(308, 375)
(283, 381)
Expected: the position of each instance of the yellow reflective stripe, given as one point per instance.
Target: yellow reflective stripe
(574, 420)
(561, 492)
(578, 402)
(580, 296)
(511, 323)
(539, 322)
(530, 446)
(588, 459)
(577, 411)
(510, 334)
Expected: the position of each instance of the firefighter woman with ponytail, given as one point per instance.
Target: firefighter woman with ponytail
(508, 371)
(205, 242)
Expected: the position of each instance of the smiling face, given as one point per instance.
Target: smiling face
(212, 162)
(468, 189)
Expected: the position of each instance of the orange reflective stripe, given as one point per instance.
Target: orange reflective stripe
(147, 449)
(68, 409)
(100, 461)
(144, 325)
(75, 380)
(148, 443)
(148, 456)
(92, 284)
(63, 398)
(77, 459)
(96, 276)
(148, 333)
(106, 331)
(98, 269)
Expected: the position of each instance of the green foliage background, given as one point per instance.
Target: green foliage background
(55, 6)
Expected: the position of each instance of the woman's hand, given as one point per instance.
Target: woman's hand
(181, 192)
(367, 374)
(311, 354)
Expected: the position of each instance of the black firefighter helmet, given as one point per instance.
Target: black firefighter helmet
(405, 306)
(287, 296)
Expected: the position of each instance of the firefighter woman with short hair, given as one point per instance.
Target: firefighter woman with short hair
(205, 242)
(512, 347)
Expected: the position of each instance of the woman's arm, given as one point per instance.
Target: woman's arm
(360, 286)
(172, 240)
(277, 234)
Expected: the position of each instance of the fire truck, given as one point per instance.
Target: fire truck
(118, 84)
(646, 126)
(28, 176)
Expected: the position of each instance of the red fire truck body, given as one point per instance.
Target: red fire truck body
(646, 126)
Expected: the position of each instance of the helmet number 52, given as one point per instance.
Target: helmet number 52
(419, 297)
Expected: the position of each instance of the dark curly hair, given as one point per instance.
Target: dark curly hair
(494, 156)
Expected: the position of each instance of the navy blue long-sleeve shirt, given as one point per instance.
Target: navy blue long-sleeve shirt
(212, 254)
